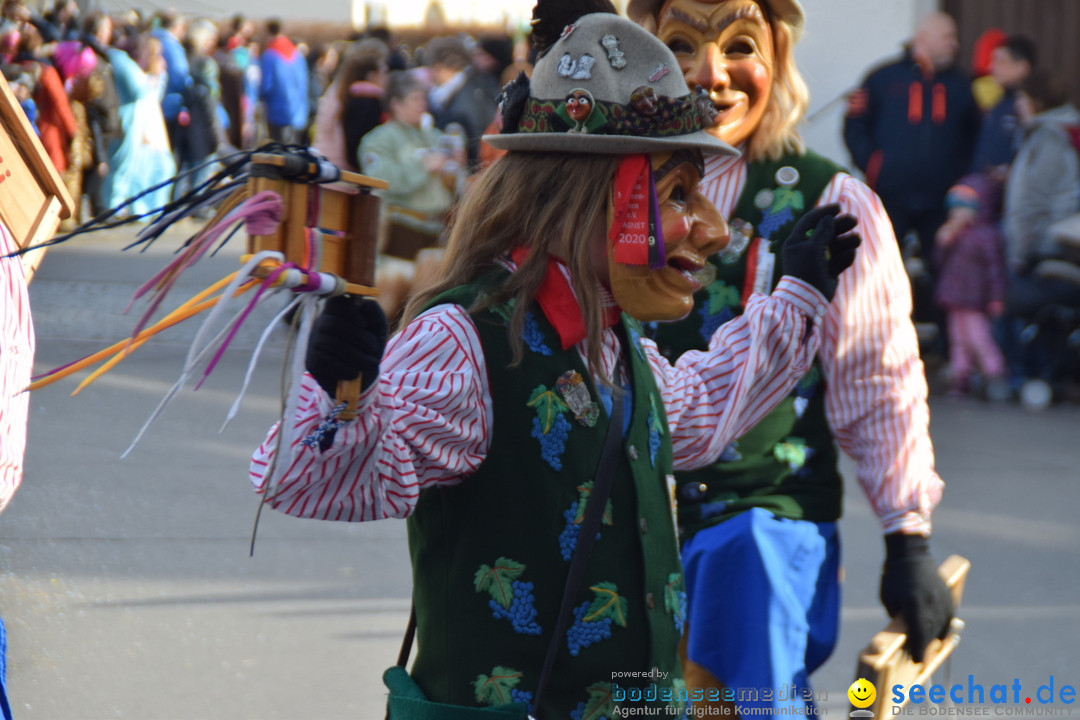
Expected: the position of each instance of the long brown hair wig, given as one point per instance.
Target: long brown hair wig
(547, 203)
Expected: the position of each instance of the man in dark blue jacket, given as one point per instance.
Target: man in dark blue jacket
(911, 129)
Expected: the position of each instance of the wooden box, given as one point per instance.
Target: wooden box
(33, 199)
(886, 662)
(344, 214)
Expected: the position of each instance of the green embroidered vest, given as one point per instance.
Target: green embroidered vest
(490, 556)
(786, 463)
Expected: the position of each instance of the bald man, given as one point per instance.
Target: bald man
(911, 129)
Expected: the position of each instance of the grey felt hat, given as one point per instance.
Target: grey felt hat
(606, 86)
(790, 11)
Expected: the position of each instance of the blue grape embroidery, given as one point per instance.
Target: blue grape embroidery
(731, 453)
(782, 211)
(772, 222)
(574, 516)
(582, 634)
(511, 598)
(553, 443)
(718, 307)
(522, 696)
(550, 425)
(533, 335)
(592, 620)
(805, 389)
(656, 430)
(578, 713)
(522, 611)
(569, 535)
(675, 600)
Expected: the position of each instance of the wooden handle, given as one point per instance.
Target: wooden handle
(279, 161)
(886, 662)
(348, 392)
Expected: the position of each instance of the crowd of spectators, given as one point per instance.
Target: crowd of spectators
(980, 177)
(124, 102)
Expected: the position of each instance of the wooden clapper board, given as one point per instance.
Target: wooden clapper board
(33, 199)
(885, 662)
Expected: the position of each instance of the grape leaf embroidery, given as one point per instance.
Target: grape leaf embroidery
(498, 579)
(792, 451)
(497, 688)
(511, 599)
(586, 491)
(584, 633)
(600, 704)
(675, 600)
(786, 202)
(607, 604)
(593, 620)
(787, 198)
(550, 425)
(721, 296)
(633, 335)
(718, 308)
(548, 406)
(502, 310)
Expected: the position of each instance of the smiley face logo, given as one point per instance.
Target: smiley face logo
(862, 693)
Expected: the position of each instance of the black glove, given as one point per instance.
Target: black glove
(912, 588)
(821, 247)
(348, 340)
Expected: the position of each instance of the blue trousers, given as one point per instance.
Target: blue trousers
(763, 597)
(5, 709)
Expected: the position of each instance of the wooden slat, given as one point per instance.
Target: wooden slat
(33, 198)
(347, 218)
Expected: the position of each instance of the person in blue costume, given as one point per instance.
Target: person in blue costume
(140, 158)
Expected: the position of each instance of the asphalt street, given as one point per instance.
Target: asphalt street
(128, 590)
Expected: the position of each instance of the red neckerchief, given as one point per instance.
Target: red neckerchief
(559, 303)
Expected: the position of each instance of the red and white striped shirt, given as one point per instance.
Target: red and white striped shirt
(427, 421)
(16, 366)
(876, 393)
